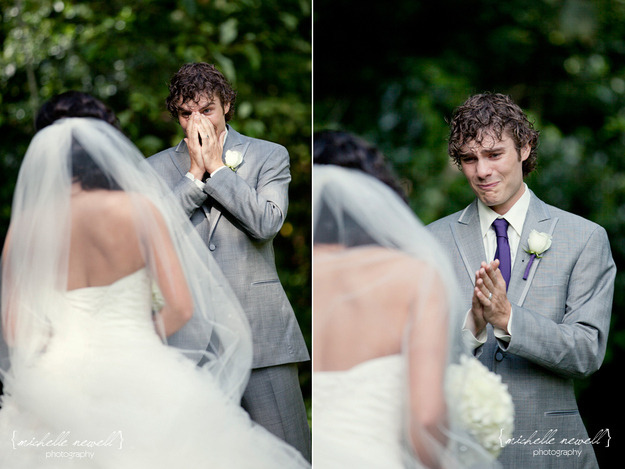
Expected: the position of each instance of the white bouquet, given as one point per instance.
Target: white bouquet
(157, 298)
(480, 403)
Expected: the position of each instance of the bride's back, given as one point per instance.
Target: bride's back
(104, 243)
(362, 299)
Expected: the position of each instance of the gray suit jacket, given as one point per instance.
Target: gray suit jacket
(559, 326)
(238, 214)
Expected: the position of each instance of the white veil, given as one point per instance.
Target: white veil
(353, 209)
(35, 265)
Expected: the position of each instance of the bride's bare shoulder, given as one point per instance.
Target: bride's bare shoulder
(107, 206)
(371, 254)
(116, 201)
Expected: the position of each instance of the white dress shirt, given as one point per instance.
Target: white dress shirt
(516, 219)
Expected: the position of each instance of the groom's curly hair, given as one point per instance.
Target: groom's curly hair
(494, 114)
(195, 80)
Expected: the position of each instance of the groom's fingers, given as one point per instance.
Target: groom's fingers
(488, 281)
(493, 277)
(213, 147)
(491, 270)
(195, 151)
(207, 130)
(481, 290)
(191, 138)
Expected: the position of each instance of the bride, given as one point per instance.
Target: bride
(94, 246)
(386, 325)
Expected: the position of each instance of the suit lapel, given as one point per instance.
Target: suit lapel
(182, 161)
(538, 218)
(468, 237)
(235, 142)
(181, 158)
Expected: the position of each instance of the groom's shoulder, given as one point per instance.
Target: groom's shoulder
(575, 227)
(162, 154)
(258, 144)
(573, 221)
(442, 226)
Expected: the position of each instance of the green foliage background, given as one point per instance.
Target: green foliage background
(125, 53)
(392, 72)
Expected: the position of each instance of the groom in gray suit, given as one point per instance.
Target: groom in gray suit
(235, 191)
(538, 302)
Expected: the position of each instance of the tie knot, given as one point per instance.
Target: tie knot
(501, 227)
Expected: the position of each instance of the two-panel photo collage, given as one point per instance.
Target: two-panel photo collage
(308, 234)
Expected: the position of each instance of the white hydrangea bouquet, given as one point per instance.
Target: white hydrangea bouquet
(158, 302)
(480, 403)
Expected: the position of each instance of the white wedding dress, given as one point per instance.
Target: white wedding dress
(359, 416)
(107, 393)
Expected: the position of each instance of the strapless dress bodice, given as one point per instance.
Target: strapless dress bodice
(124, 305)
(360, 415)
(131, 292)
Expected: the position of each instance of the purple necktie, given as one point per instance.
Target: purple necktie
(503, 248)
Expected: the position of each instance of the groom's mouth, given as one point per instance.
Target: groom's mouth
(487, 186)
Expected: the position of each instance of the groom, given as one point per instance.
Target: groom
(235, 190)
(537, 322)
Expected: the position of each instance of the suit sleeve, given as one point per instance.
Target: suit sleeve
(190, 196)
(259, 210)
(575, 345)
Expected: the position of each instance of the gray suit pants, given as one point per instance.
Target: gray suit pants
(273, 399)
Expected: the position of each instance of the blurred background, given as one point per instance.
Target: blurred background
(392, 72)
(125, 54)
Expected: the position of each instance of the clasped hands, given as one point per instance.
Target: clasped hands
(490, 301)
(205, 146)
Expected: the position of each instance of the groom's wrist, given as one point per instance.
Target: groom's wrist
(215, 171)
(198, 182)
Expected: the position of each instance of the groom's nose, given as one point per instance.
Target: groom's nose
(483, 168)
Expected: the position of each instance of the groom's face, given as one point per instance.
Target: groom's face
(209, 107)
(494, 169)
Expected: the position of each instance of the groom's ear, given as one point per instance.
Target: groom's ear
(226, 108)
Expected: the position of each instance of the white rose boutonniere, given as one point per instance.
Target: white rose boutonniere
(233, 159)
(537, 243)
(480, 403)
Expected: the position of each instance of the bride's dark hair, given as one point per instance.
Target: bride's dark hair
(78, 104)
(87, 173)
(74, 104)
(349, 151)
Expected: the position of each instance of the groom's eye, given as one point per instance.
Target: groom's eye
(467, 159)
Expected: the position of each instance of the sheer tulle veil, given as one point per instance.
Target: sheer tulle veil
(35, 266)
(354, 209)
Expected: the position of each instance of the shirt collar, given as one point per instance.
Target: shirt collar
(515, 216)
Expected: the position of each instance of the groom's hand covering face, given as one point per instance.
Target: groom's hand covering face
(208, 107)
(204, 124)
